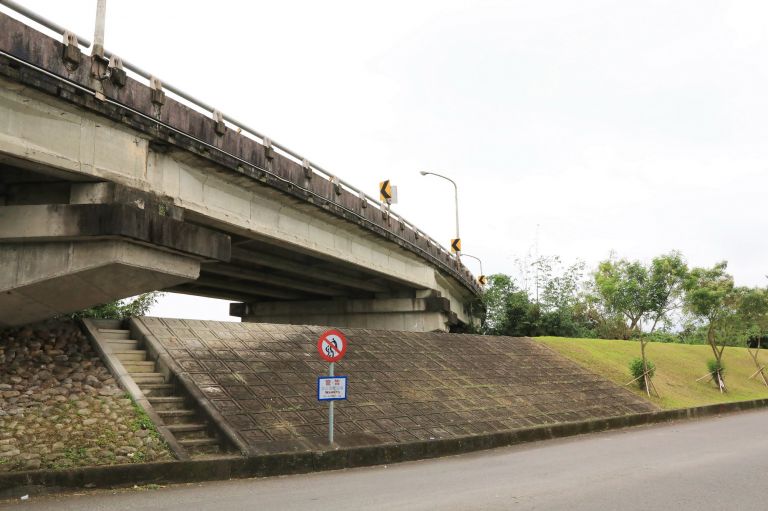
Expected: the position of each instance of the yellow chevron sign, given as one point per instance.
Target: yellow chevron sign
(456, 245)
(482, 280)
(385, 191)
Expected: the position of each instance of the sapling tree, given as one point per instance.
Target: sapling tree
(711, 298)
(667, 276)
(753, 318)
(623, 287)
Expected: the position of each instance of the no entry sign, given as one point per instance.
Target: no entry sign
(332, 345)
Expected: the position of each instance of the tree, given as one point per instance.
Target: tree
(624, 288)
(710, 297)
(559, 290)
(753, 317)
(507, 308)
(564, 309)
(668, 274)
(120, 309)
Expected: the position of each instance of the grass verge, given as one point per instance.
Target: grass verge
(677, 368)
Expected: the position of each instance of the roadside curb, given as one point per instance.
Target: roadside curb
(37, 482)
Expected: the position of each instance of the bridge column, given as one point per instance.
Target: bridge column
(419, 314)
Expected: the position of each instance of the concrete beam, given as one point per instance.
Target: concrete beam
(57, 222)
(405, 314)
(191, 289)
(265, 278)
(316, 273)
(41, 280)
(248, 289)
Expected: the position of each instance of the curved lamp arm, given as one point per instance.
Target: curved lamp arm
(456, 195)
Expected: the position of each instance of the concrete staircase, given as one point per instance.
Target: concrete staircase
(175, 409)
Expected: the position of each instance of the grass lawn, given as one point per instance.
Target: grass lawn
(677, 368)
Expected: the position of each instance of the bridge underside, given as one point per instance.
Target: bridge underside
(111, 188)
(282, 285)
(68, 244)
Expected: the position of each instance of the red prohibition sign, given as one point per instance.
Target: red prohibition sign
(332, 345)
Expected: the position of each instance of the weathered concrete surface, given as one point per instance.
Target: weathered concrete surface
(37, 482)
(221, 179)
(403, 386)
(428, 314)
(672, 466)
(60, 258)
(62, 222)
(41, 280)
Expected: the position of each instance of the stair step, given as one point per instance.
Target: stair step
(109, 324)
(157, 389)
(142, 378)
(190, 431)
(167, 399)
(185, 428)
(179, 412)
(109, 333)
(204, 451)
(119, 345)
(178, 416)
(167, 402)
(201, 446)
(197, 442)
(140, 366)
(127, 355)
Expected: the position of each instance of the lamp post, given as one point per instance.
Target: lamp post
(98, 35)
(476, 259)
(456, 201)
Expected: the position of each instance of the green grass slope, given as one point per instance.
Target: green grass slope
(678, 366)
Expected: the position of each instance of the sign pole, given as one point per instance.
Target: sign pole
(332, 345)
(330, 410)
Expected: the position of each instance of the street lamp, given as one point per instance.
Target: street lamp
(98, 35)
(476, 259)
(456, 197)
(481, 278)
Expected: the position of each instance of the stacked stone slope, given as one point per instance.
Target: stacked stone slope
(403, 386)
(60, 407)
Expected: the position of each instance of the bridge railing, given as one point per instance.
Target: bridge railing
(144, 76)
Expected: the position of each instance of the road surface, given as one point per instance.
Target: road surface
(717, 463)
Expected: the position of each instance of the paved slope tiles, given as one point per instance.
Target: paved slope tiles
(403, 386)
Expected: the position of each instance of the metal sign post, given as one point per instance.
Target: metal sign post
(330, 409)
(331, 346)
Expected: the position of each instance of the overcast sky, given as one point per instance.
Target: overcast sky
(625, 126)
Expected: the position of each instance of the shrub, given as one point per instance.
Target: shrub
(661, 336)
(120, 309)
(636, 369)
(715, 366)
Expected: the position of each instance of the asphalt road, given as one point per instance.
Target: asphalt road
(717, 463)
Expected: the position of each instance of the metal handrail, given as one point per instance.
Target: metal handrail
(240, 126)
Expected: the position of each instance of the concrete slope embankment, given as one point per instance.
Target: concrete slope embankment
(403, 387)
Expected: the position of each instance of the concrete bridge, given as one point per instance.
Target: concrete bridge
(111, 186)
